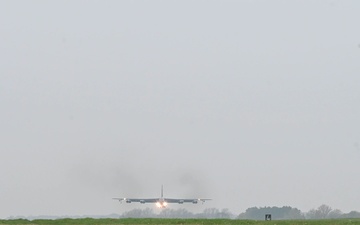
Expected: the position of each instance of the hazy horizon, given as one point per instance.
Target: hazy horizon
(250, 103)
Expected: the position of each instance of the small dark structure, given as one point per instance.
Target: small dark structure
(267, 216)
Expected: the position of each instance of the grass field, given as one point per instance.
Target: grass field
(89, 221)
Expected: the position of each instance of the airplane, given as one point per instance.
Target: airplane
(163, 202)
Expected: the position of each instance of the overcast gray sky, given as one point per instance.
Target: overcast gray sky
(251, 103)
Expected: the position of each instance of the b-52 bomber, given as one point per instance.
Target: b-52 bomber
(163, 202)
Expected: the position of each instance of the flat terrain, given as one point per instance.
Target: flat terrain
(89, 221)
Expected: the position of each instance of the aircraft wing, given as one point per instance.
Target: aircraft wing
(186, 200)
(141, 200)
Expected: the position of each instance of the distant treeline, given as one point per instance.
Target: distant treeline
(254, 213)
(155, 221)
(287, 212)
(210, 213)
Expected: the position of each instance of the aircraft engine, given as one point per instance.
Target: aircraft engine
(128, 201)
(142, 201)
(195, 201)
(181, 201)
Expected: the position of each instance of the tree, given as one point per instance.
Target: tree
(210, 213)
(352, 214)
(225, 214)
(324, 212)
(335, 214)
(166, 213)
(294, 214)
(138, 213)
(312, 214)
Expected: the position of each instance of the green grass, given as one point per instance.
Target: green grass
(89, 221)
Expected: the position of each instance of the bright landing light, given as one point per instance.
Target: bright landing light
(161, 204)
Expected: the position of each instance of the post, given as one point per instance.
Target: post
(267, 216)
